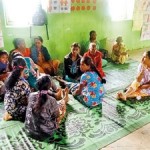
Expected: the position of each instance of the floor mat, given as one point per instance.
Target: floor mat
(84, 128)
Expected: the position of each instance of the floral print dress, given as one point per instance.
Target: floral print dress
(15, 100)
(93, 90)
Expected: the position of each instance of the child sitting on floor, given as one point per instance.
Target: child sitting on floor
(90, 90)
(140, 87)
(3, 65)
(119, 52)
(17, 91)
(3, 71)
(44, 113)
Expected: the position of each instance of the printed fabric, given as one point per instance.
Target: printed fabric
(15, 100)
(93, 90)
(44, 122)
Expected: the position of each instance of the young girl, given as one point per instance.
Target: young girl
(90, 90)
(72, 70)
(17, 91)
(141, 85)
(119, 54)
(3, 65)
(44, 113)
(3, 72)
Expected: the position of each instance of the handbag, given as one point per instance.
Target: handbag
(39, 18)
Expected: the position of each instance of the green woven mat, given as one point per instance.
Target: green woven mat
(1, 110)
(83, 128)
(119, 76)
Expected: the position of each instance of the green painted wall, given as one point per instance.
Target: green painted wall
(65, 29)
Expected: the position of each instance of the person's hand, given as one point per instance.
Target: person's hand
(26, 76)
(26, 73)
(78, 79)
(73, 93)
(35, 74)
(103, 81)
(124, 53)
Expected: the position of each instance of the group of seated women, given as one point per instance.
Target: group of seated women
(31, 94)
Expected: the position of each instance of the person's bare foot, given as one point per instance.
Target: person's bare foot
(7, 116)
(61, 81)
(58, 95)
(66, 92)
(57, 78)
(121, 96)
(118, 95)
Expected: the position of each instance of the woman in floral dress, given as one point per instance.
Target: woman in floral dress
(90, 90)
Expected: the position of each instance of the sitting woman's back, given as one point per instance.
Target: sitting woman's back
(43, 110)
(41, 122)
(17, 91)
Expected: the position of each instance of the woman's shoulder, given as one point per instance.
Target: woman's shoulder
(33, 94)
(87, 53)
(140, 67)
(33, 47)
(140, 64)
(27, 58)
(51, 101)
(88, 73)
(68, 56)
(44, 48)
(15, 51)
(115, 45)
(28, 49)
(79, 56)
(98, 52)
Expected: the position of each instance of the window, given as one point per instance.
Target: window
(121, 9)
(18, 13)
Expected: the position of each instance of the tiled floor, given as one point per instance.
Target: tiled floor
(139, 139)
